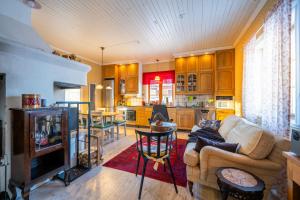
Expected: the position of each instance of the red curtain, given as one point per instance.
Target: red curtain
(164, 75)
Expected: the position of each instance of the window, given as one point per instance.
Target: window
(167, 91)
(267, 73)
(159, 91)
(154, 91)
(72, 95)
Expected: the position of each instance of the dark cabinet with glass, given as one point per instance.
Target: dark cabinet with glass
(39, 146)
(192, 82)
(180, 83)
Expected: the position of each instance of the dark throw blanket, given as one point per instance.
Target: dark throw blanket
(205, 133)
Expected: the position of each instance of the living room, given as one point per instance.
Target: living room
(150, 99)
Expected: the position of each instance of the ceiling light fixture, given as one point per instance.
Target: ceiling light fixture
(157, 78)
(32, 4)
(181, 15)
(100, 86)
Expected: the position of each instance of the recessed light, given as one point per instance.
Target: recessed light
(191, 54)
(181, 15)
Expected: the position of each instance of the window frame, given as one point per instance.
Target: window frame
(296, 5)
(161, 92)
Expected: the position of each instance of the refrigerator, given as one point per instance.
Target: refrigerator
(108, 94)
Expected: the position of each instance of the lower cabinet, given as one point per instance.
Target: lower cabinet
(172, 114)
(142, 115)
(221, 114)
(185, 118)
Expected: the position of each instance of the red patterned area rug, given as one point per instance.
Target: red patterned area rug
(127, 160)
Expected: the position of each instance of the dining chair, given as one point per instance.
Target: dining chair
(158, 151)
(106, 129)
(160, 112)
(120, 120)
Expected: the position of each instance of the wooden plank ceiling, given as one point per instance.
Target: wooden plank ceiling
(162, 27)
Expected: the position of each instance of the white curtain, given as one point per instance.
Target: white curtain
(266, 83)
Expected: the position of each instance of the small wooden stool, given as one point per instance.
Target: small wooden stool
(239, 184)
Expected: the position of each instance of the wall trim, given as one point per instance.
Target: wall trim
(79, 56)
(251, 19)
(12, 47)
(200, 52)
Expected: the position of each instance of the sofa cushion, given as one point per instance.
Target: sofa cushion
(191, 157)
(227, 124)
(254, 141)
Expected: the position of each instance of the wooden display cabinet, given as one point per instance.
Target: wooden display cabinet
(39, 146)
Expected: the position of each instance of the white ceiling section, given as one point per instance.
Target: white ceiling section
(161, 27)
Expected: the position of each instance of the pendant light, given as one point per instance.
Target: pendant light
(100, 86)
(157, 78)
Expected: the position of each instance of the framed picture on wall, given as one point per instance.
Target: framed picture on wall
(92, 95)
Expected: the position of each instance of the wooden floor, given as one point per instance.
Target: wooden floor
(110, 184)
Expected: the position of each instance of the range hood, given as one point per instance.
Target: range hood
(62, 85)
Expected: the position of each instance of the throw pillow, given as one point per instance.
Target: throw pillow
(202, 142)
(210, 124)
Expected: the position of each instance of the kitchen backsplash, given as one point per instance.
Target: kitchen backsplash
(194, 100)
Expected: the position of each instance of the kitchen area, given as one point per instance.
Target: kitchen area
(193, 88)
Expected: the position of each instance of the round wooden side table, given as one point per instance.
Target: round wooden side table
(239, 184)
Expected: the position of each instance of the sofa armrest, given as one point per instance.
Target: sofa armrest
(191, 157)
(212, 158)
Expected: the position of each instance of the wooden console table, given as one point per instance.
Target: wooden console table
(293, 174)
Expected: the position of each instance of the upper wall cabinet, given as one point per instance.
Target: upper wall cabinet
(130, 73)
(225, 59)
(206, 62)
(122, 72)
(192, 64)
(195, 74)
(180, 65)
(108, 71)
(132, 69)
(225, 73)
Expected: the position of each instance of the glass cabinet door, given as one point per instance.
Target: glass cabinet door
(192, 82)
(180, 83)
(47, 131)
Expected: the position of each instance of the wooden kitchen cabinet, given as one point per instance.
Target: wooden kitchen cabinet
(206, 62)
(180, 81)
(180, 65)
(185, 118)
(132, 69)
(172, 114)
(108, 71)
(225, 82)
(206, 82)
(192, 83)
(192, 64)
(122, 72)
(130, 73)
(142, 115)
(131, 85)
(225, 58)
(225, 75)
(221, 114)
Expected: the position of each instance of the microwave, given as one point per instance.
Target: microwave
(224, 102)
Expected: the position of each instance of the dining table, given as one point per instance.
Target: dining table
(104, 114)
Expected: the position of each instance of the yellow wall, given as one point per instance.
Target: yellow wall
(163, 66)
(254, 27)
(94, 76)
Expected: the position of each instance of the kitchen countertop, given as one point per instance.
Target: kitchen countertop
(191, 107)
